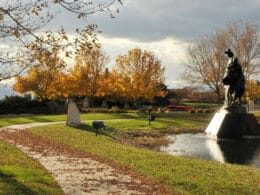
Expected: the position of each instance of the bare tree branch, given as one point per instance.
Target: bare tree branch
(20, 19)
(206, 62)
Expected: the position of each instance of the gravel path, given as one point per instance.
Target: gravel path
(78, 172)
(28, 125)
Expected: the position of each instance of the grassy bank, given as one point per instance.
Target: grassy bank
(132, 128)
(179, 174)
(6, 121)
(138, 132)
(162, 119)
(13, 120)
(165, 118)
(21, 175)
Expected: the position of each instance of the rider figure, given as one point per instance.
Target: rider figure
(233, 80)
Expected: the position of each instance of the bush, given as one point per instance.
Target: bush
(177, 108)
(101, 110)
(133, 111)
(199, 110)
(18, 105)
(56, 107)
(117, 111)
(208, 110)
(105, 110)
(192, 111)
(115, 108)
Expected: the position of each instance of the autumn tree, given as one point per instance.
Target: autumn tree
(206, 62)
(88, 72)
(49, 76)
(107, 90)
(140, 75)
(112, 89)
(43, 78)
(22, 20)
(253, 89)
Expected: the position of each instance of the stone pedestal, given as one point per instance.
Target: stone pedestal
(233, 122)
(73, 117)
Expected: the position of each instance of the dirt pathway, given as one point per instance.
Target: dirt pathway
(28, 125)
(78, 172)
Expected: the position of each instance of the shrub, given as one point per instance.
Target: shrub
(192, 111)
(56, 107)
(178, 108)
(208, 111)
(115, 108)
(101, 110)
(199, 110)
(106, 110)
(18, 105)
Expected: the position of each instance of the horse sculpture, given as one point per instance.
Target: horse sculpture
(233, 80)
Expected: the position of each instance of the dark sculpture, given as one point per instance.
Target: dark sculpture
(234, 80)
(232, 120)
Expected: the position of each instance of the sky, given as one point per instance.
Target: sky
(165, 27)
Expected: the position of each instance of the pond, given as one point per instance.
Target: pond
(245, 151)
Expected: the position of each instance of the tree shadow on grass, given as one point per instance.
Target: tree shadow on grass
(12, 186)
(89, 128)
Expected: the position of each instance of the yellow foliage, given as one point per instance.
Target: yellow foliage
(139, 74)
(252, 89)
(43, 77)
(136, 76)
(87, 72)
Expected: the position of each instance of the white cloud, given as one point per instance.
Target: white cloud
(6, 88)
(178, 84)
(163, 27)
(8, 82)
(4, 46)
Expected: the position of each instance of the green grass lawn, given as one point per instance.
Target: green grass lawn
(21, 175)
(162, 119)
(54, 118)
(179, 174)
(203, 105)
(257, 115)
(30, 119)
(143, 124)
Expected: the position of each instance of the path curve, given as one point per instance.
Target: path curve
(77, 173)
(28, 125)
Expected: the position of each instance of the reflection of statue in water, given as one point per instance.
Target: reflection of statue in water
(233, 80)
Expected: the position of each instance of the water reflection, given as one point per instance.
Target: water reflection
(244, 151)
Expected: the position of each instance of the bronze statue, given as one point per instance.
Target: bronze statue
(232, 120)
(234, 80)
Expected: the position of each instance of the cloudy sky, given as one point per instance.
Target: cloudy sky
(165, 27)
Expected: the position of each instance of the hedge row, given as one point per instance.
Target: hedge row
(18, 105)
(107, 110)
(201, 111)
